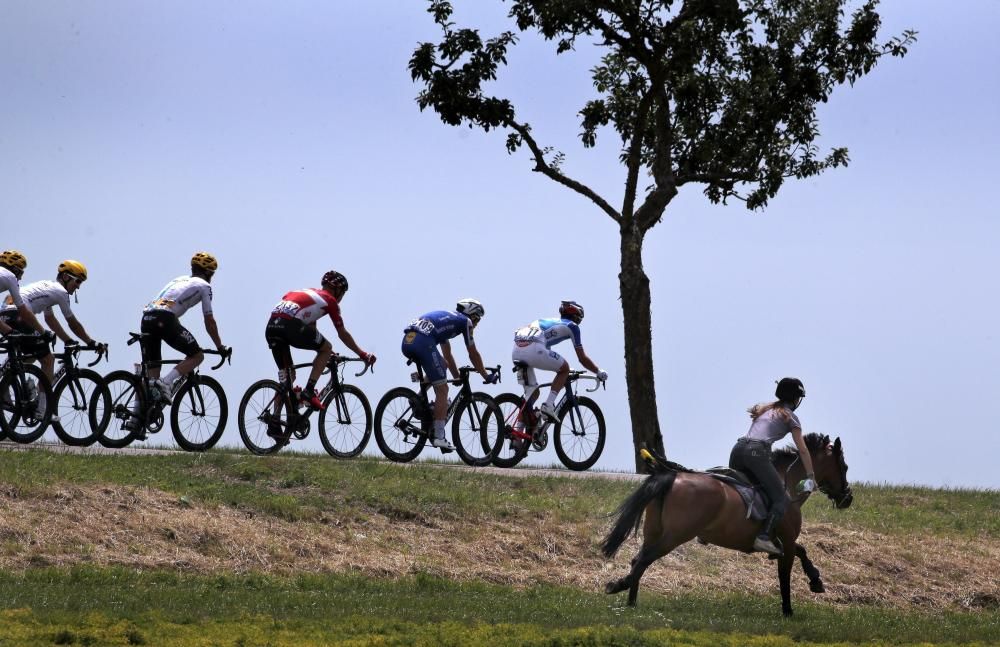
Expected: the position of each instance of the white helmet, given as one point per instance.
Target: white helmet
(470, 307)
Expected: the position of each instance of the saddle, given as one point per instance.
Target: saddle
(753, 496)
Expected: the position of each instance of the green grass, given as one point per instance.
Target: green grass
(346, 604)
(90, 605)
(307, 487)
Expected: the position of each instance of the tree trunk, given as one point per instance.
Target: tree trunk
(638, 346)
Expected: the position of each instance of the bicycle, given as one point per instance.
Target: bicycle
(137, 406)
(81, 400)
(404, 421)
(267, 407)
(21, 388)
(579, 430)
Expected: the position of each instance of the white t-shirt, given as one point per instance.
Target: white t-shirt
(180, 294)
(40, 296)
(9, 283)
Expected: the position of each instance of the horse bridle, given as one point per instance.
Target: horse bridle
(845, 495)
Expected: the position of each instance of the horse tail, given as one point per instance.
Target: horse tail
(628, 516)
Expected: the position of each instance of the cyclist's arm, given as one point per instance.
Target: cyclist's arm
(585, 360)
(449, 359)
(56, 327)
(477, 361)
(212, 329)
(79, 331)
(348, 341)
(27, 316)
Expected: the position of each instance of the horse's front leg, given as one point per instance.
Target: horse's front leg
(785, 563)
(815, 581)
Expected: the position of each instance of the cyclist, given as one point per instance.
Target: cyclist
(421, 339)
(293, 323)
(751, 455)
(533, 346)
(40, 297)
(12, 266)
(161, 321)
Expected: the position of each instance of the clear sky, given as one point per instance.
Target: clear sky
(284, 138)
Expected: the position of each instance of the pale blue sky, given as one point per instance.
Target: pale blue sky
(284, 138)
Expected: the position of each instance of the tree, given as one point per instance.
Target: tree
(718, 93)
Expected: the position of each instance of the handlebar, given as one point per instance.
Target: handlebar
(75, 349)
(225, 355)
(465, 370)
(582, 375)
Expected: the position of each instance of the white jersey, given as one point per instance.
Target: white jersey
(9, 283)
(40, 296)
(182, 293)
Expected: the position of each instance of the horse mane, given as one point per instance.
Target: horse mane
(813, 442)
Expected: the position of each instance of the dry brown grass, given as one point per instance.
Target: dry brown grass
(147, 528)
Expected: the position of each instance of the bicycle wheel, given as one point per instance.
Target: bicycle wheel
(127, 403)
(29, 395)
(510, 452)
(198, 414)
(345, 426)
(262, 406)
(477, 430)
(398, 425)
(82, 403)
(580, 434)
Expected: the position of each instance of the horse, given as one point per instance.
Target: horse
(680, 505)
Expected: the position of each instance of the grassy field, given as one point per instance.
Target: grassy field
(154, 550)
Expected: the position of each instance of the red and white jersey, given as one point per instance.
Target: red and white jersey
(308, 305)
(8, 283)
(40, 296)
(180, 294)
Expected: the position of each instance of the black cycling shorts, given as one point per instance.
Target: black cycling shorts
(30, 348)
(164, 326)
(282, 333)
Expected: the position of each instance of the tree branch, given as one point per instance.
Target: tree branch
(544, 168)
(635, 156)
(662, 166)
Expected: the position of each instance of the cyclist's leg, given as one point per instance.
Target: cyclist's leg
(545, 359)
(276, 336)
(524, 352)
(180, 339)
(423, 350)
(298, 334)
(153, 326)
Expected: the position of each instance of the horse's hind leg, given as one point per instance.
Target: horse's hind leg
(815, 582)
(647, 555)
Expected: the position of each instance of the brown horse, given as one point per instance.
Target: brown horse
(680, 505)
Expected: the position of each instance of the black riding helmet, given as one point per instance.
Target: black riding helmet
(790, 391)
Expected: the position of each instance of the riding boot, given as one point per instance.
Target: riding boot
(763, 541)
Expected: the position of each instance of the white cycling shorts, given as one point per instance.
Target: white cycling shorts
(535, 355)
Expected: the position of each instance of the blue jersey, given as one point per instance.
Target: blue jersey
(442, 325)
(550, 332)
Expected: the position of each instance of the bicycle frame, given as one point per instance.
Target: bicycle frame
(519, 427)
(155, 406)
(464, 393)
(335, 367)
(70, 371)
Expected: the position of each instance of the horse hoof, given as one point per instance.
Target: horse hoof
(614, 586)
(787, 612)
(817, 587)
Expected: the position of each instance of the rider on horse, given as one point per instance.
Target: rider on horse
(752, 453)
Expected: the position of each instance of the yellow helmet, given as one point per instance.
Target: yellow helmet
(13, 259)
(76, 268)
(205, 261)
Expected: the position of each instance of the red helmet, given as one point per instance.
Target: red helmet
(571, 310)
